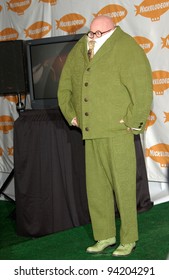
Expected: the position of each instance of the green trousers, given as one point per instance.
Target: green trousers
(111, 170)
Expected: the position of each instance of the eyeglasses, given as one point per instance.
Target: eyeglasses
(98, 33)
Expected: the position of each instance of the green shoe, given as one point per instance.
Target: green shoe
(101, 245)
(124, 249)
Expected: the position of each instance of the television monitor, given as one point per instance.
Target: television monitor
(45, 60)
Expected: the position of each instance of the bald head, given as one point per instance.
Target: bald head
(102, 23)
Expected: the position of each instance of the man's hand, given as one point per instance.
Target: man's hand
(74, 122)
(121, 121)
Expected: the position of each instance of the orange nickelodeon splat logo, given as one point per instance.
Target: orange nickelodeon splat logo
(8, 34)
(11, 98)
(71, 23)
(19, 6)
(145, 43)
(116, 12)
(1, 151)
(14, 98)
(166, 117)
(6, 123)
(151, 120)
(38, 30)
(160, 81)
(152, 9)
(165, 42)
(10, 151)
(159, 153)
(51, 2)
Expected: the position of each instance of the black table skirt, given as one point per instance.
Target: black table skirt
(49, 173)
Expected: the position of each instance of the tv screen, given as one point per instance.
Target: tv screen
(45, 60)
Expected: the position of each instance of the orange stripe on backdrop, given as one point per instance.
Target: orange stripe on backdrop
(116, 12)
(160, 81)
(1, 152)
(151, 120)
(165, 42)
(145, 43)
(166, 117)
(18, 6)
(51, 2)
(10, 151)
(152, 9)
(14, 98)
(38, 30)
(6, 123)
(8, 34)
(159, 153)
(70, 23)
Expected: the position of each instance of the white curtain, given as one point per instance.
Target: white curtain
(145, 20)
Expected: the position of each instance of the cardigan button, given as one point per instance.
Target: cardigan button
(85, 99)
(86, 128)
(86, 114)
(86, 84)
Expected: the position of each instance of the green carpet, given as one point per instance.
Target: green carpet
(153, 241)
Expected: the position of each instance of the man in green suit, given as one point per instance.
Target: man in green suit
(109, 98)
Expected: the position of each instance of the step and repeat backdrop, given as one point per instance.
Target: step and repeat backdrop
(145, 20)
